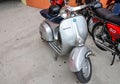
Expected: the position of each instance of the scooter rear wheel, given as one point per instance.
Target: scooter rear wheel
(84, 75)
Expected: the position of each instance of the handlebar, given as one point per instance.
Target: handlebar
(68, 10)
(72, 9)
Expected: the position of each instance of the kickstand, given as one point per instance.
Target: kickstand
(113, 59)
(56, 56)
(42, 39)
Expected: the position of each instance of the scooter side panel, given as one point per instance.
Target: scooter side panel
(45, 31)
(49, 30)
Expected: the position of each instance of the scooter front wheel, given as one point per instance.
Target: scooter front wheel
(84, 75)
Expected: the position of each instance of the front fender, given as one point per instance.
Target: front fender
(77, 57)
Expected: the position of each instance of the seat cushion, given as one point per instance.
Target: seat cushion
(102, 12)
(113, 18)
(45, 14)
(55, 19)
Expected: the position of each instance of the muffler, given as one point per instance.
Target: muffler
(105, 47)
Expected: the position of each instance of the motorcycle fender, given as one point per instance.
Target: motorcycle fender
(77, 57)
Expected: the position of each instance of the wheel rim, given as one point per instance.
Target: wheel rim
(86, 68)
(97, 32)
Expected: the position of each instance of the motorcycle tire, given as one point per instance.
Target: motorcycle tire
(93, 34)
(84, 75)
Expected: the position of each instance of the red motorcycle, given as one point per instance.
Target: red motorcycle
(106, 32)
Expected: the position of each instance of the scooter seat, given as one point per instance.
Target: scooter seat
(102, 12)
(55, 19)
(113, 18)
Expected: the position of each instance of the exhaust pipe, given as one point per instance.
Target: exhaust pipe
(105, 47)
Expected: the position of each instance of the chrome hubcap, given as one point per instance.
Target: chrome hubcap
(86, 68)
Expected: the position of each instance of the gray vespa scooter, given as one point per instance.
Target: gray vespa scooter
(69, 37)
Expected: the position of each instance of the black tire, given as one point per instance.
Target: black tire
(81, 75)
(97, 25)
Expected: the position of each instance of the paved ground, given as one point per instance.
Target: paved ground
(25, 59)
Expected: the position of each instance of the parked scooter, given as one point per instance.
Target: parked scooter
(66, 33)
(106, 33)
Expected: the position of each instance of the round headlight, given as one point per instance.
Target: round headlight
(64, 12)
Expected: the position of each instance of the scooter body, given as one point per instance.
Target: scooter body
(68, 32)
(53, 32)
(69, 37)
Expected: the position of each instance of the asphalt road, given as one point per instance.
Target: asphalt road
(25, 59)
